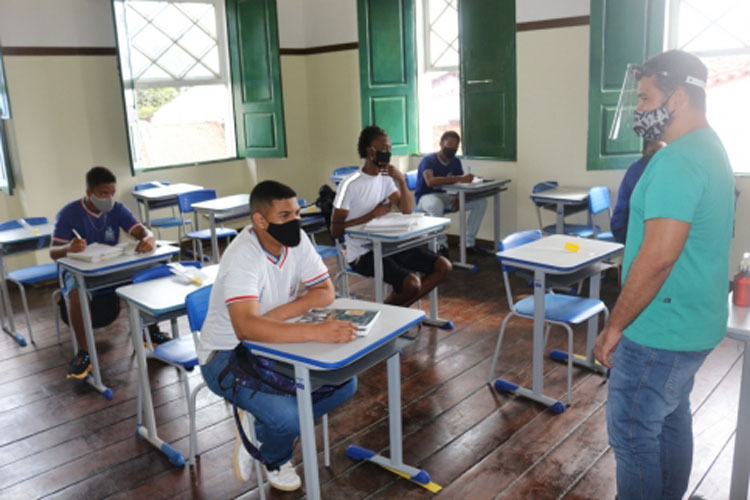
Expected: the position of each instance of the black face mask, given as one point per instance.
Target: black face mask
(287, 234)
(449, 152)
(382, 158)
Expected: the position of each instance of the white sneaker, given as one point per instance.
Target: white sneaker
(285, 478)
(243, 461)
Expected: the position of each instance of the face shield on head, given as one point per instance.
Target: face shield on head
(622, 123)
(650, 124)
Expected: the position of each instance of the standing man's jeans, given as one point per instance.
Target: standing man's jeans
(276, 415)
(649, 420)
(435, 204)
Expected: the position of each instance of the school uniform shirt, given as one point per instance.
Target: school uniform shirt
(248, 272)
(93, 227)
(359, 194)
(433, 162)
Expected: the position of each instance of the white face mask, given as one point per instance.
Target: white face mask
(102, 204)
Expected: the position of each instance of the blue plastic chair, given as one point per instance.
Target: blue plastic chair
(562, 310)
(340, 173)
(31, 275)
(184, 203)
(159, 223)
(599, 202)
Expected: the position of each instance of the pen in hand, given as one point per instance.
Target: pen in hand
(79, 244)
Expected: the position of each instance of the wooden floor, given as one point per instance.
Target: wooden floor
(60, 439)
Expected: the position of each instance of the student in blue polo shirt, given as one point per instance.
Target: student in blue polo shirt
(439, 169)
(95, 218)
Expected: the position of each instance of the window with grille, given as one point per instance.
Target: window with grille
(716, 31)
(439, 88)
(174, 62)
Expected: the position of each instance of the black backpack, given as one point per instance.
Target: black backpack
(105, 308)
(326, 194)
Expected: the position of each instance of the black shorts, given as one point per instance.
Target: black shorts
(399, 266)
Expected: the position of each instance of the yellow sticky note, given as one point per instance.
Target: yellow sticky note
(572, 247)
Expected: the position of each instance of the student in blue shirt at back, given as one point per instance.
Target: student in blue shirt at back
(441, 168)
(619, 221)
(95, 218)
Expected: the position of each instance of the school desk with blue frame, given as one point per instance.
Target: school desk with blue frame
(105, 274)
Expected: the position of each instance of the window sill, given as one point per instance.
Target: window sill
(138, 171)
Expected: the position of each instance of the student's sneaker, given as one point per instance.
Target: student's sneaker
(80, 366)
(157, 337)
(478, 251)
(285, 478)
(242, 460)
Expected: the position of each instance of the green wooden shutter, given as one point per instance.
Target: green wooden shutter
(388, 70)
(253, 34)
(487, 31)
(622, 32)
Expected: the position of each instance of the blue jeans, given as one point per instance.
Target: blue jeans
(276, 416)
(435, 204)
(649, 420)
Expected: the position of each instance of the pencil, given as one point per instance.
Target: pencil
(75, 233)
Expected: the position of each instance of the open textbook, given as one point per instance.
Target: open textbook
(362, 318)
(97, 252)
(394, 222)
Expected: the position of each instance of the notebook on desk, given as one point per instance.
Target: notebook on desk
(97, 252)
(394, 222)
(363, 319)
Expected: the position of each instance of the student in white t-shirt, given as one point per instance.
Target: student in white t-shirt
(370, 193)
(256, 290)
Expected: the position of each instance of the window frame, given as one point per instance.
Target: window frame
(427, 28)
(5, 115)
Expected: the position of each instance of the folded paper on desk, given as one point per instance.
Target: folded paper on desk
(363, 319)
(394, 222)
(187, 274)
(97, 252)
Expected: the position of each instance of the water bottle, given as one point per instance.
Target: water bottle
(741, 286)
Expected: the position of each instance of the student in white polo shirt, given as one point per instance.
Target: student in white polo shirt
(370, 193)
(257, 288)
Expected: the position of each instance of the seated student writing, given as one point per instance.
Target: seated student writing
(255, 291)
(439, 169)
(95, 218)
(370, 193)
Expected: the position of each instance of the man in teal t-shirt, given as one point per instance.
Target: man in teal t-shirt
(673, 307)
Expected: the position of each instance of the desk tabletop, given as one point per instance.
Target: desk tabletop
(224, 204)
(165, 192)
(562, 194)
(423, 224)
(25, 234)
(163, 295)
(391, 323)
(738, 323)
(549, 253)
(121, 262)
(475, 186)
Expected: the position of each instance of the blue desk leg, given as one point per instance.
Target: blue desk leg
(7, 310)
(148, 432)
(587, 360)
(395, 463)
(741, 461)
(307, 431)
(537, 372)
(95, 378)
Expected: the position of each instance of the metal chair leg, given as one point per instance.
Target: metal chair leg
(497, 347)
(326, 443)
(25, 309)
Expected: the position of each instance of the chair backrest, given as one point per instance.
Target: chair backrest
(185, 200)
(543, 186)
(599, 199)
(411, 179)
(301, 202)
(345, 170)
(514, 240)
(161, 271)
(196, 304)
(149, 185)
(14, 224)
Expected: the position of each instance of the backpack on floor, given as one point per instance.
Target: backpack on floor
(105, 308)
